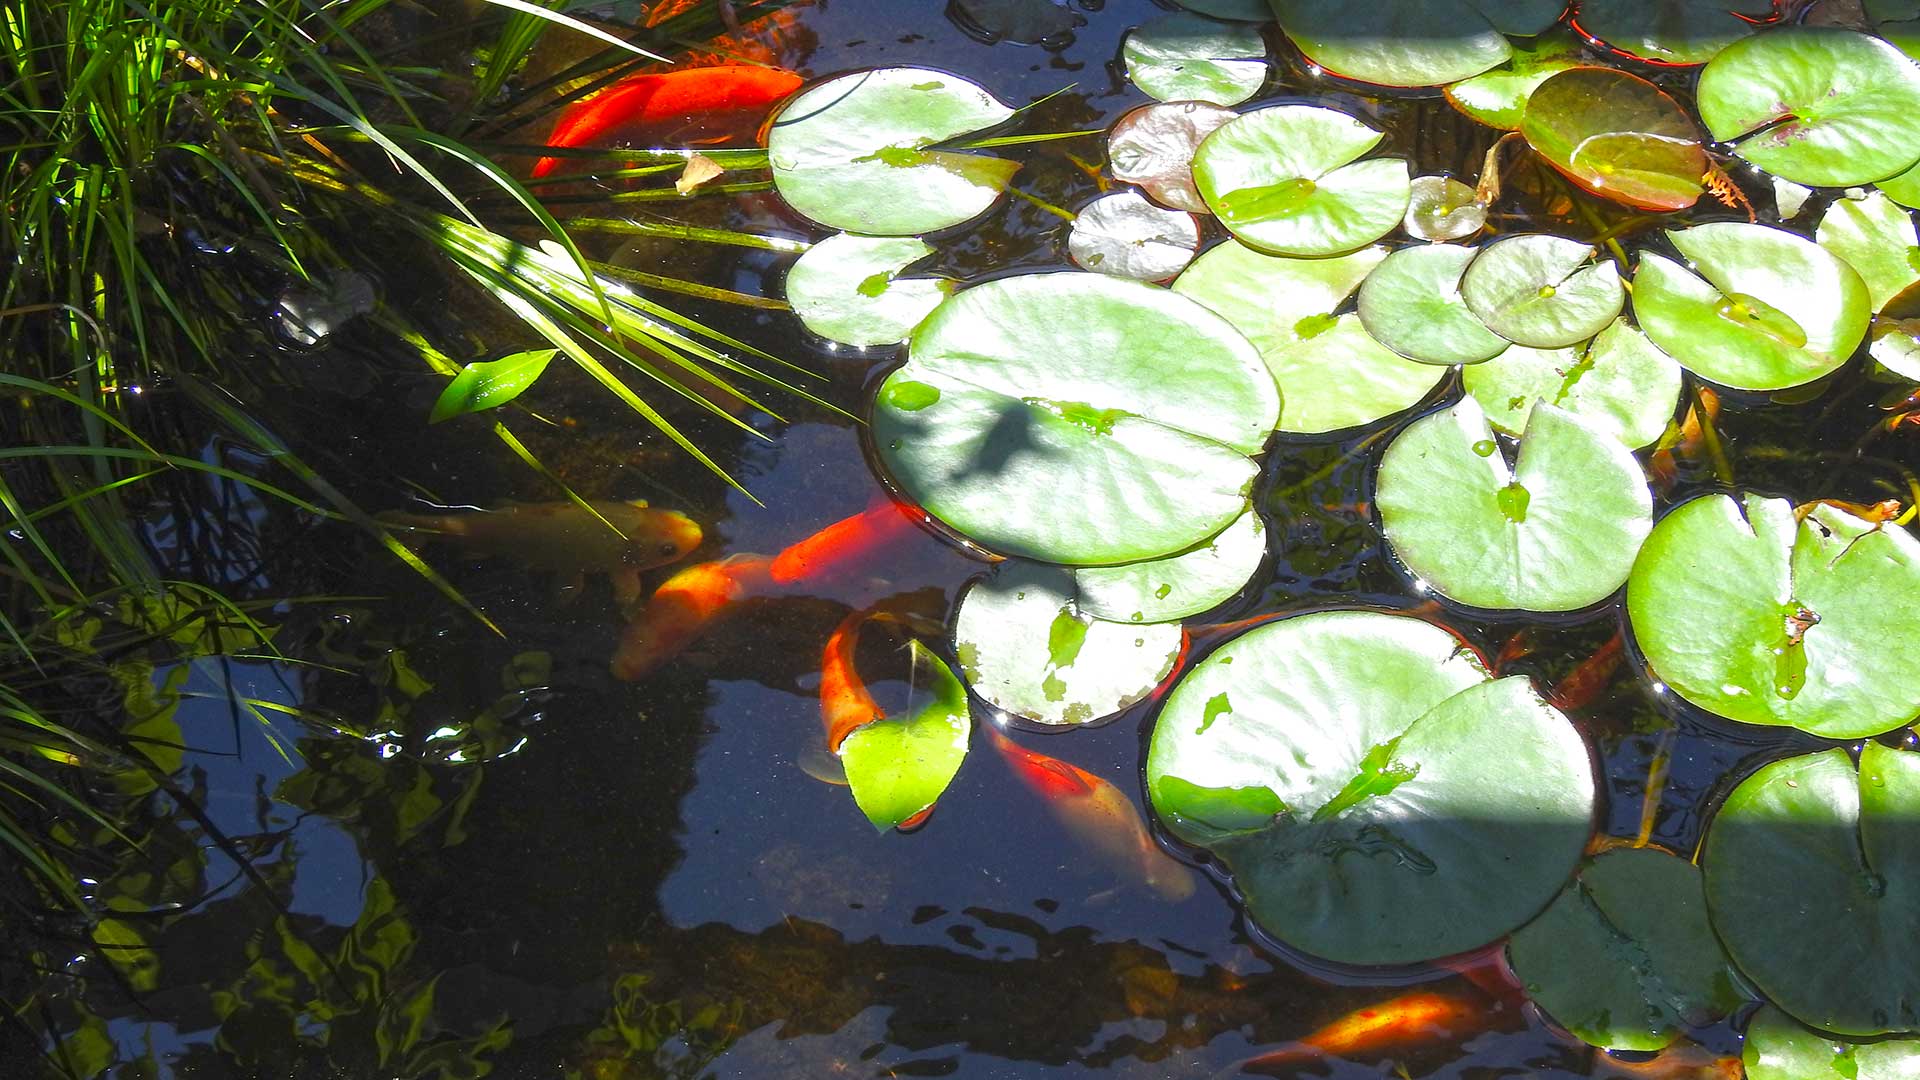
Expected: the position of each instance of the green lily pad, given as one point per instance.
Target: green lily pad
(1026, 647)
(1818, 105)
(1813, 882)
(1377, 799)
(1904, 188)
(1498, 98)
(1618, 381)
(1032, 416)
(1764, 310)
(1541, 290)
(1411, 42)
(847, 288)
(1895, 344)
(852, 152)
(1724, 607)
(1125, 235)
(1442, 208)
(1153, 146)
(1166, 590)
(1557, 532)
(1242, 10)
(1287, 180)
(1779, 1048)
(1618, 136)
(1670, 31)
(1625, 958)
(1023, 22)
(1412, 305)
(1187, 58)
(1876, 238)
(897, 768)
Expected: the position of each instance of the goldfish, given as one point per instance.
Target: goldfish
(1586, 680)
(705, 106)
(1408, 1020)
(845, 704)
(845, 544)
(1695, 434)
(683, 608)
(1099, 816)
(1682, 1061)
(564, 537)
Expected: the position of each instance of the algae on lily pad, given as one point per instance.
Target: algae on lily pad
(1670, 31)
(898, 766)
(1625, 958)
(1763, 619)
(1618, 136)
(1025, 646)
(1876, 237)
(847, 288)
(1498, 97)
(853, 152)
(1184, 57)
(1542, 290)
(1557, 531)
(1813, 882)
(1032, 415)
(1164, 590)
(1289, 179)
(1619, 381)
(1411, 42)
(1412, 305)
(1375, 796)
(1780, 1048)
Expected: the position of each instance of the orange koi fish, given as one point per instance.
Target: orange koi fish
(1662, 465)
(1682, 1061)
(1098, 815)
(709, 106)
(1408, 1020)
(1584, 683)
(685, 606)
(845, 704)
(1488, 969)
(845, 543)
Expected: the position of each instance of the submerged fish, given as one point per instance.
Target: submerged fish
(683, 608)
(707, 106)
(845, 544)
(1682, 1061)
(1409, 1020)
(1098, 816)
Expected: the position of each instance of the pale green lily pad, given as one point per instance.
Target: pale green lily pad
(1904, 188)
(1442, 208)
(852, 152)
(1620, 382)
(847, 288)
(1169, 589)
(1789, 198)
(1779, 1048)
(1813, 882)
(1032, 416)
(1412, 305)
(1125, 235)
(1287, 180)
(1338, 377)
(1556, 532)
(1376, 798)
(1025, 646)
(1411, 42)
(1618, 136)
(1670, 31)
(1895, 343)
(1498, 98)
(1153, 146)
(1877, 238)
(1625, 958)
(1541, 290)
(1764, 309)
(1723, 608)
(898, 767)
(1817, 105)
(1187, 58)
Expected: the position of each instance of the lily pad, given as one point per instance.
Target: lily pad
(1766, 309)
(847, 288)
(1442, 208)
(898, 767)
(1557, 532)
(1153, 146)
(1032, 416)
(1618, 381)
(1670, 31)
(1778, 1048)
(1817, 105)
(1618, 136)
(1896, 335)
(1876, 237)
(1625, 958)
(1125, 235)
(853, 152)
(1904, 188)
(1166, 590)
(1766, 620)
(1242, 10)
(1377, 799)
(1814, 886)
(1287, 179)
(1184, 57)
(1411, 42)
(1023, 22)
(1542, 290)
(1412, 305)
(1026, 647)
(1498, 98)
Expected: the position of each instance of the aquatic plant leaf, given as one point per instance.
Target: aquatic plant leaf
(1185, 57)
(1024, 22)
(847, 288)
(1625, 958)
(1618, 136)
(1164, 590)
(1817, 105)
(1442, 208)
(1669, 31)
(1412, 305)
(1763, 309)
(1813, 884)
(1026, 646)
(1413, 807)
(1557, 532)
(1032, 416)
(1410, 42)
(1286, 180)
(1619, 381)
(1778, 1048)
(490, 384)
(1124, 235)
(1241, 10)
(1541, 290)
(1876, 238)
(1766, 620)
(898, 766)
(1153, 146)
(852, 152)
(1895, 343)
(1498, 97)
(1904, 188)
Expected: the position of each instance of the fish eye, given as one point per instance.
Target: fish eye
(668, 547)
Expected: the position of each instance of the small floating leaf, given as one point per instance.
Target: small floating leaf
(1286, 180)
(1153, 146)
(1164, 590)
(1877, 238)
(1670, 31)
(1442, 208)
(1498, 98)
(1541, 290)
(1412, 305)
(1187, 58)
(898, 767)
(1619, 382)
(1618, 136)
(490, 384)
(1411, 42)
(846, 290)
(1778, 1048)
(1125, 235)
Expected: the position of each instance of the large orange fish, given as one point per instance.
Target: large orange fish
(1681, 1061)
(683, 608)
(846, 706)
(1099, 816)
(845, 544)
(708, 106)
(1410, 1020)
